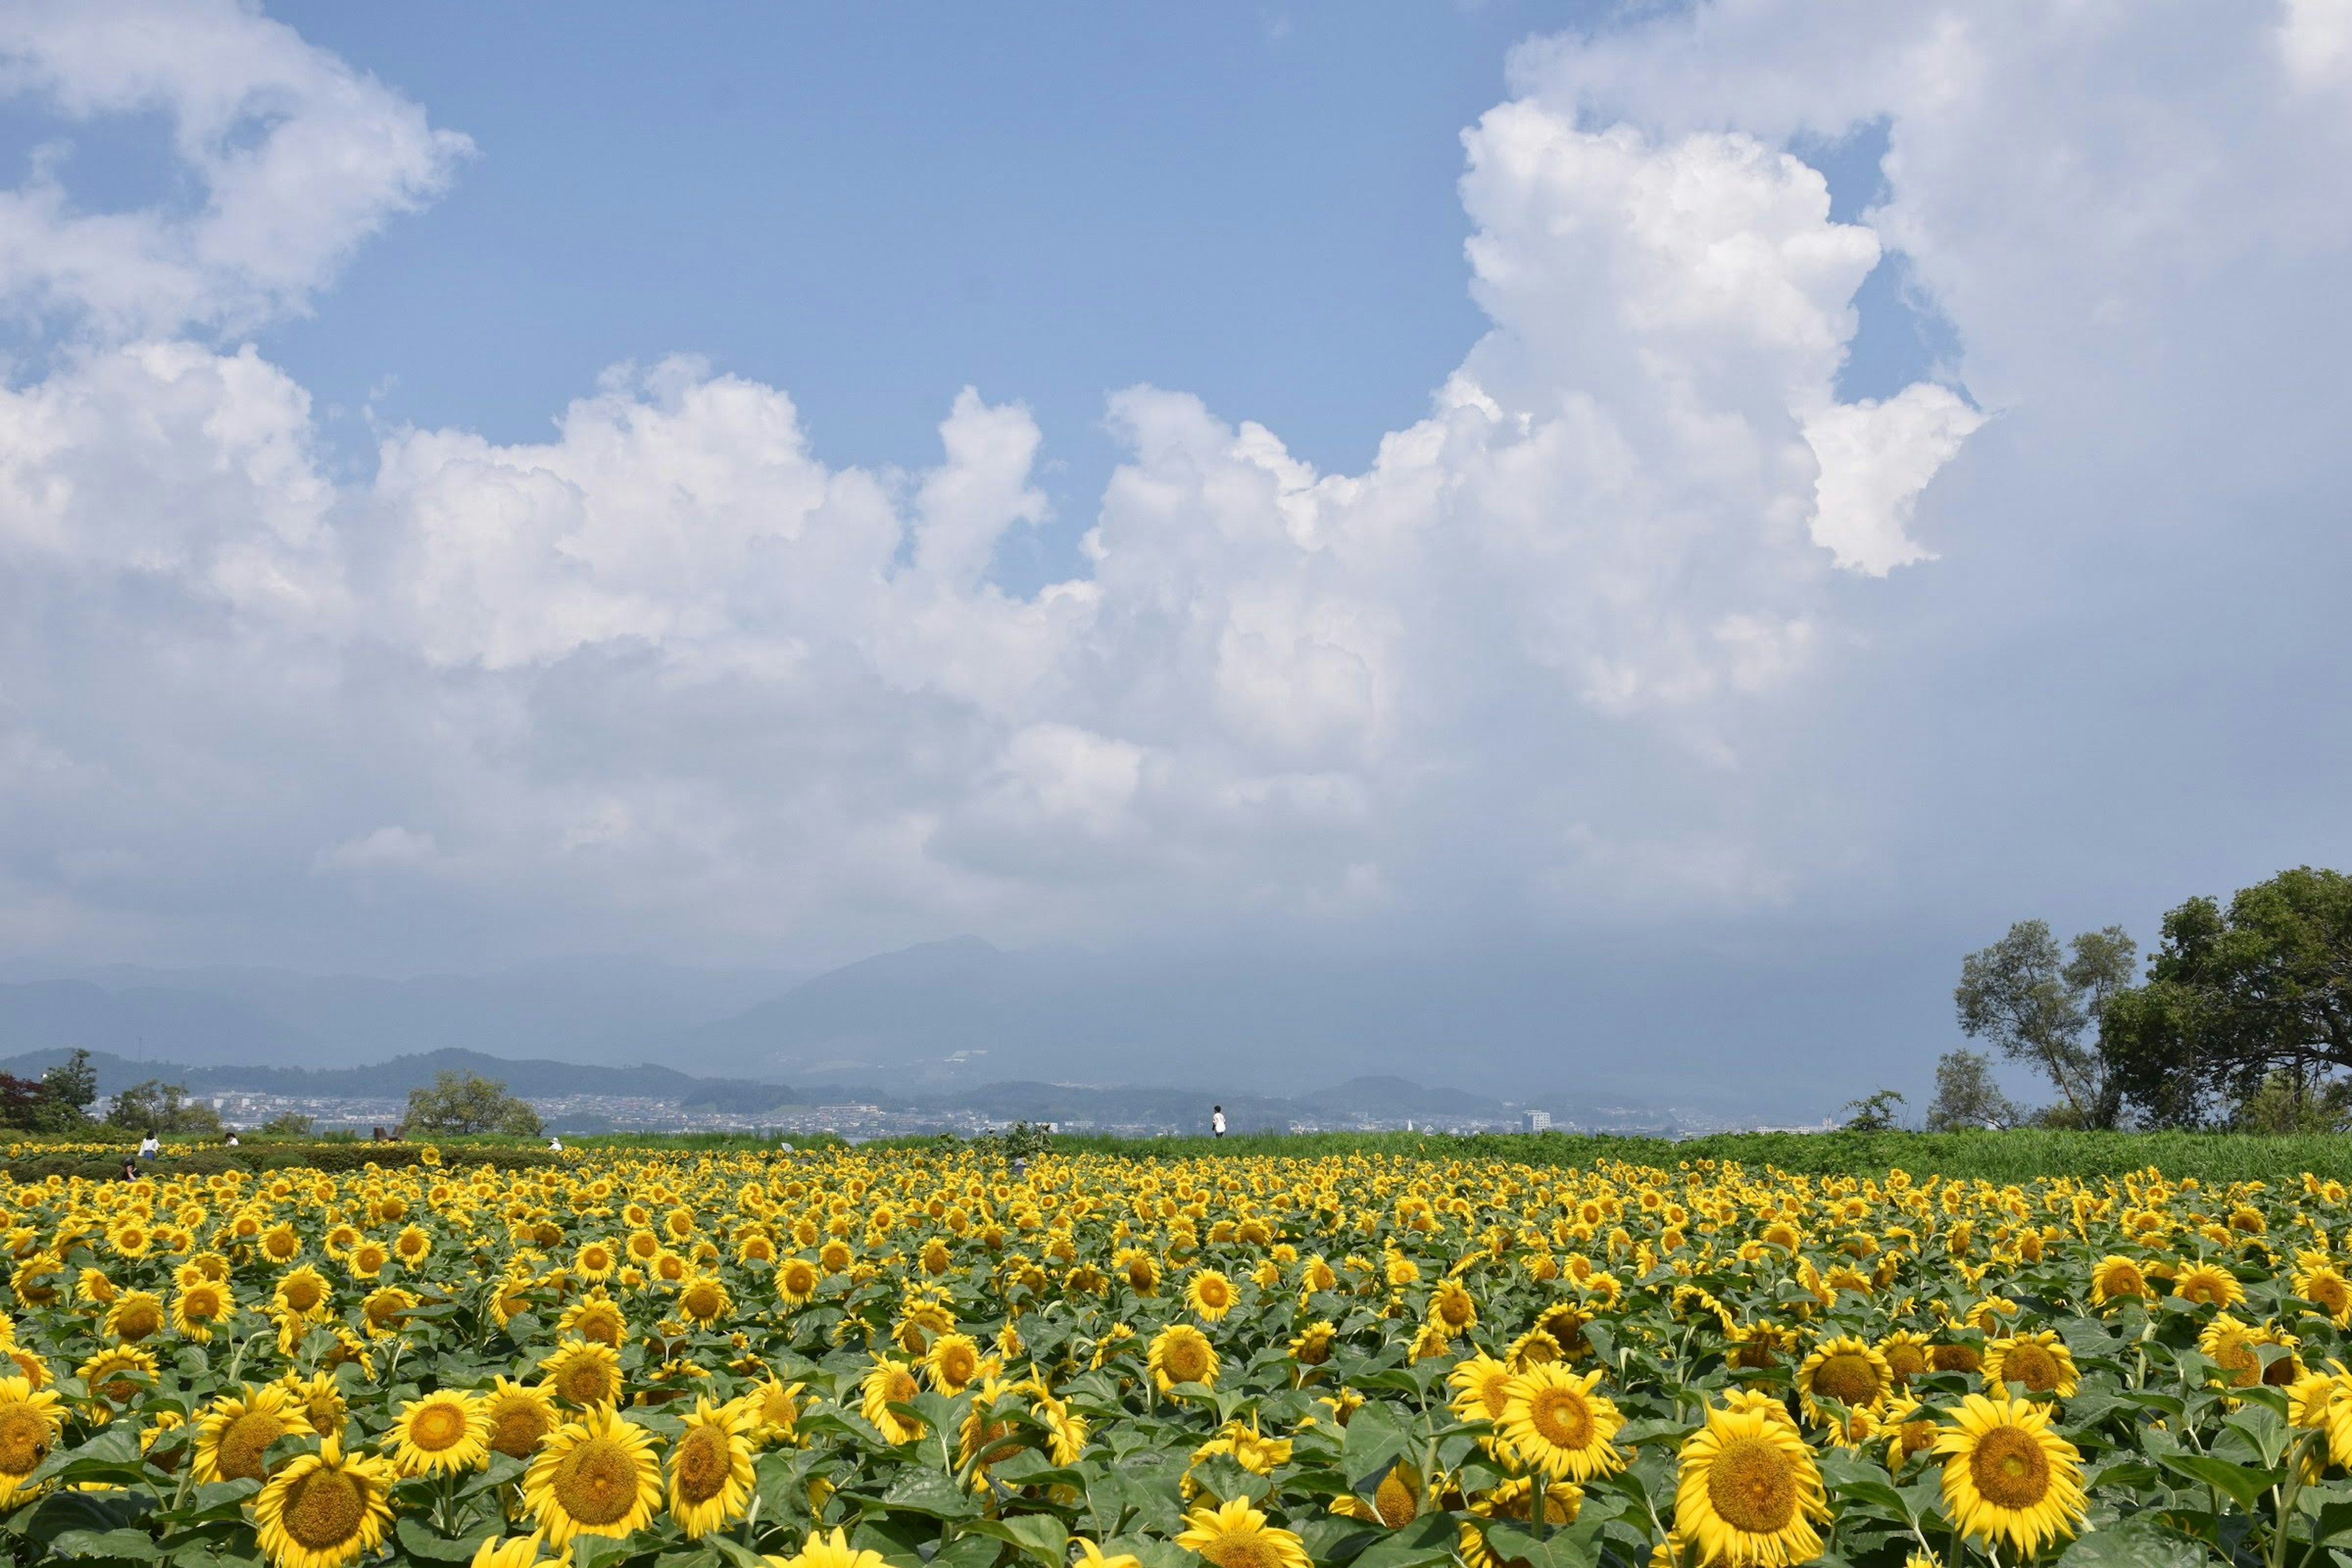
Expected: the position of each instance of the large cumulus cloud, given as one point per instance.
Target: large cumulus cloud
(670, 678)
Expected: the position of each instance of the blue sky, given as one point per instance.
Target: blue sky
(483, 486)
(876, 206)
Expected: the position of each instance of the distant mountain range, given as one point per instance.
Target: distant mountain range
(1382, 1099)
(1769, 1033)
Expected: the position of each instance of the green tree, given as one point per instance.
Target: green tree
(2236, 995)
(469, 1103)
(154, 1106)
(1967, 1096)
(1873, 1113)
(289, 1124)
(54, 1103)
(2033, 1000)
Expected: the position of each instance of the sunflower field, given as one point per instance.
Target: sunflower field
(890, 1359)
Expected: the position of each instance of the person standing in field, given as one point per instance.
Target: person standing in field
(1217, 1120)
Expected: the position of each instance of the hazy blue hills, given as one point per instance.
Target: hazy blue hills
(1621, 1022)
(532, 1079)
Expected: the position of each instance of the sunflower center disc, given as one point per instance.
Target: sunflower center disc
(2009, 1468)
(2031, 1365)
(597, 1482)
(24, 1439)
(1562, 1417)
(243, 1444)
(324, 1509)
(1753, 1485)
(1847, 1378)
(1250, 1550)
(584, 1384)
(702, 1465)
(518, 1432)
(139, 1322)
(1393, 1500)
(437, 1426)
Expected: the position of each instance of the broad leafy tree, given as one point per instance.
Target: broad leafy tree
(2253, 1000)
(1966, 1095)
(2034, 1000)
(469, 1103)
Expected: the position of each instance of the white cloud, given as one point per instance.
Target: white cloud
(670, 677)
(1875, 457)
(299, 158)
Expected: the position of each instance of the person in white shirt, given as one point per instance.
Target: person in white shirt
(1217, 1120)
(149, 1146)
(556, 1145)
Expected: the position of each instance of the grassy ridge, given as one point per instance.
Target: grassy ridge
(2018, 1156)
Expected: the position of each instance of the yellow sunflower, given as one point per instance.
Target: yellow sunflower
(497, 1552)
(445, 1432)
(796, 1281)
(2208, 1285)
(521, 1418)
(704, 1300)
(2116, 1278)
(1237, 1536)
(2008, 1476)
(29, 1422)
(583, 1372)
(774, 1407)
(1181, 1353)
(1211, 1295)
(594, 1317)
(823, 1549)
(1750, 1493)
(595, 1476)
(1846, 1369)
(711, 1468)
(321, 1397)
(1555, 1423)
(199, 1305)
(236, 1430)
(888, 1383)
(322, 1509)
(135, 1315)
(1905, 1355)
(2039, 1360)
(115, 1374)
(953, 1364)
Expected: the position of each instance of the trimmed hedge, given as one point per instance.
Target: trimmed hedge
(214, 1159)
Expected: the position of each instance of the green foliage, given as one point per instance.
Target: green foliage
(1873, 1113)
(468, 1103)
(1966, 1097)
(33, 1162)
(2283, 1105)
(2236, 995)
(154, 1106)
(288, 1124)
(2033, 1000)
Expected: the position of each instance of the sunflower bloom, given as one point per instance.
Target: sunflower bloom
(711, 1468)
(442, 1434)
(1750, 1493)
(1237, 1536)
(29, 1421)
(1555, 1423)
(595, 1476)
(323, 1509)
(1181, 1353)
(2007, 1475)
